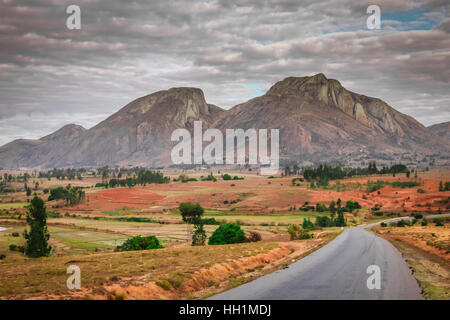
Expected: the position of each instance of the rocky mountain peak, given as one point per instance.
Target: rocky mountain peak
(66, 132)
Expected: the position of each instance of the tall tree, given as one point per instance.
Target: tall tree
(37, 238)
(192, 213)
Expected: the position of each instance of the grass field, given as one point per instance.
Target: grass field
(47, 276)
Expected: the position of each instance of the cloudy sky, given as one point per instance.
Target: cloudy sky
(233, 49)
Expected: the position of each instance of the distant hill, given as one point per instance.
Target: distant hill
(441, 129)
(319, 121)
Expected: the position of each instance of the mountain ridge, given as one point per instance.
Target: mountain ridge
(319, 120)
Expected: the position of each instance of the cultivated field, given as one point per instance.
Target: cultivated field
(88, 233)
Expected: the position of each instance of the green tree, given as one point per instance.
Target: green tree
(226, 234)
(37, 238)
(333, 208)
(226, 176)
(192, 213)
(140, 243)
(199, 235)
(340, 220)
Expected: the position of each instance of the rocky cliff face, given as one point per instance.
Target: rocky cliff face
(319, 120)
(138, 134)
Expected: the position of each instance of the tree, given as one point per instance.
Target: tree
(226, 176)
(199, 235)
(333, 208)
(192, 213)
(307, 224)
(340, 220)
(37, 238)
(226, 234)
(140, 243)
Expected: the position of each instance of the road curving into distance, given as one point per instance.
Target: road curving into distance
(337, 271)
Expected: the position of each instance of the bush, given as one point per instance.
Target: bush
(424, 222)
(325, 221)
(12, 247)
(438, 222)
(307, 224)
(402, 223)
(226, 176)
(254, 236)
(321, 207)
(210, 221)
(15, 234)
(164, 284)
(53, 214)
(2, 256)
(296, 233)
(405, 184)
(227, 234)
(351, 205)
(140, 243)
(383, 224)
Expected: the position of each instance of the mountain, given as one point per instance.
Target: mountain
(26, 153)
(319, 120)
(441, 129)
(138, 134)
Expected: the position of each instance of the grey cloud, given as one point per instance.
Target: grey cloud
(129, 49)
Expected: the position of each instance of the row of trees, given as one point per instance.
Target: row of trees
(72, 195)
(323, 173)
(63, 174)
(143, 177)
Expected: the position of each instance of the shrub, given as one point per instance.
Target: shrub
(164, 284)
(12, 247)
(383, 224)
(438, 222)
(424, 222)
(402, 223)
(210, 221)
(2, 256)
(325, 221)
(140, 243)
(227, 234)
(351, 205)
(254, 236)
(226, 176)
(53, 214)
(321, 207)
(405, 184)
(296, 233)
(307, 224)
(15, 234)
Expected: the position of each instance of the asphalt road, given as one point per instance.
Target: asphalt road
(336, 271)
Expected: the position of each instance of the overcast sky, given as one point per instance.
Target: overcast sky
(233, 50)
